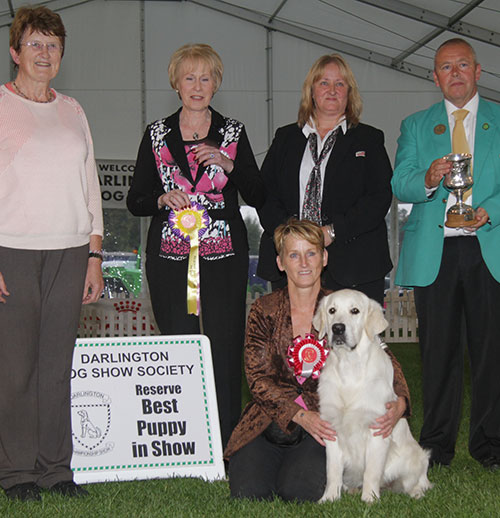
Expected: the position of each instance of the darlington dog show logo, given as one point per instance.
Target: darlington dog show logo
(91, 418)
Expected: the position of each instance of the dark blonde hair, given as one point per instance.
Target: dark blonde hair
(36, 19)
(354, 102)
(299, 229)
(195, 53)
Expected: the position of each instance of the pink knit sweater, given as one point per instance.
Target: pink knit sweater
(49, 189)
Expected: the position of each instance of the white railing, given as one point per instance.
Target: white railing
(402, 317)
(134, 317)
(117, 317)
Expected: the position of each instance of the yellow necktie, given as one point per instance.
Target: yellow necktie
(459, 142)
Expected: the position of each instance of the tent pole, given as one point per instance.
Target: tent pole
(269, 97)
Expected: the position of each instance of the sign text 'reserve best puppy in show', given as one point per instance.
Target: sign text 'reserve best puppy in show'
(144, 407)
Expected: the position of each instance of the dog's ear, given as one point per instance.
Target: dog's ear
(319, 320)
(375, 321)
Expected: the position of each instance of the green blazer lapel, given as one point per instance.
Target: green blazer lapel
(486, 127)
(439, 132)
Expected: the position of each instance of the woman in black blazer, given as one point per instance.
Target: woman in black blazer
(348, 194)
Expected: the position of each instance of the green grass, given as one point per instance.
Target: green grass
(463, 490)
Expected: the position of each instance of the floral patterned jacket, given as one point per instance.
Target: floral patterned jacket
(165, 162)
(272, 383)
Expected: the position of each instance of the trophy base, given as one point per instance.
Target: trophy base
(459, 220)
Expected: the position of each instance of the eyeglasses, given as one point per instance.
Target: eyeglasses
(38, 45)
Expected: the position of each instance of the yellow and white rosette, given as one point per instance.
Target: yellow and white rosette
(190, 224)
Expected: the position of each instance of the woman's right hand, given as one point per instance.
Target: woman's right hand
(3, 289)
(315, 426)
(175, 199)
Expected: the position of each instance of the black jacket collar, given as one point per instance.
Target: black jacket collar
(175, 144)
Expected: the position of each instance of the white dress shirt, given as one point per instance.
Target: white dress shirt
(470, 132)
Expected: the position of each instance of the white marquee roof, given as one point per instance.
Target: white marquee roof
(392, 33)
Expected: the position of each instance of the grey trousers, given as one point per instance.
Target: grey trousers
(38, 326)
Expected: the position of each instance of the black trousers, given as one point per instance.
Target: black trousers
(262, 470)
(38, 326)
(223, 302)
(464, 290)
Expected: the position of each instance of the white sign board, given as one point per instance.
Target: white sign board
(115, 178)
(144, 407)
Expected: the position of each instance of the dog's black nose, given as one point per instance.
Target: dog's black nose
(338, 329)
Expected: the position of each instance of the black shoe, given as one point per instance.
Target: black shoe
(491, 463)
(26, 492)
(68, 488)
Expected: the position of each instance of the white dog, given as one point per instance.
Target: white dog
(354, 387)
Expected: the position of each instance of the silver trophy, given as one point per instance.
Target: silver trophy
(457, 181)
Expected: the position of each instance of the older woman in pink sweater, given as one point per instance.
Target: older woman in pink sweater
(50, 258)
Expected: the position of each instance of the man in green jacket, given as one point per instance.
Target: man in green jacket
(455, 272)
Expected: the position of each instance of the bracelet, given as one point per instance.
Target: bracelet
(98, 254)
(331, 231)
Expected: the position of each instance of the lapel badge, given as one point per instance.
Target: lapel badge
(486, 126)
(439, 129)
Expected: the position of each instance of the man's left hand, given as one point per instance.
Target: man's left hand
(480, 218)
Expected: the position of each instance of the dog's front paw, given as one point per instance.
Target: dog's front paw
(331, 494)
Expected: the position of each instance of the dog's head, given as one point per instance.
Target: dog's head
(345, 315)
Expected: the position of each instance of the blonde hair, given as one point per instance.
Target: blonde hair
(299, 229)
(354, 102)
(196, 53)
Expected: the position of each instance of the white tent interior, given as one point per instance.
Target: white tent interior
(117, 54)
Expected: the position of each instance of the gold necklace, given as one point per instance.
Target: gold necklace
(22, 94)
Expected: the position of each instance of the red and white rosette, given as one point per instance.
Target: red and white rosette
(306, 356)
